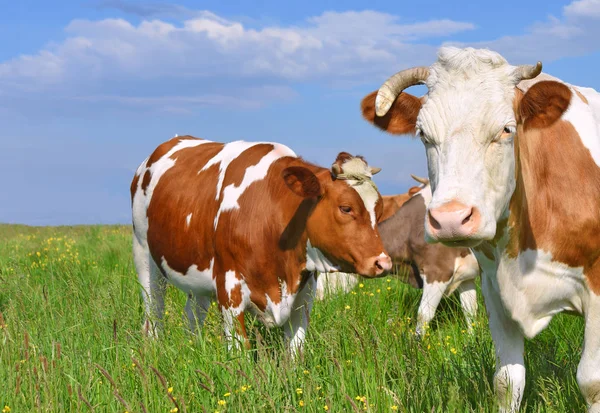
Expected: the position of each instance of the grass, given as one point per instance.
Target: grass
(70, 341)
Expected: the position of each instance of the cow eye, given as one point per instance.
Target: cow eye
(509, 130)
(345, 209)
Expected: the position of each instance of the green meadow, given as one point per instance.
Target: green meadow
(70, 341)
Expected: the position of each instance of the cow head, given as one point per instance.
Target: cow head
(468, 122)
(342, 227)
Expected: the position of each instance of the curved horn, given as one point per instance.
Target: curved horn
(374, 170)
(423, 181)
(524, 72)
(394, 85)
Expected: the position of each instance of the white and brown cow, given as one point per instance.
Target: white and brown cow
(504, 146)
(437, 269)
(250, 223)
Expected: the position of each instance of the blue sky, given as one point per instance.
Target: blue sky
(88, 89)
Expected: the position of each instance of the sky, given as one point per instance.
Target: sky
(89, 88)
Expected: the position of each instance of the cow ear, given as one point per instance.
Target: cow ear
(302, 181)
(543, 104)
(399, 120)
(413, 190)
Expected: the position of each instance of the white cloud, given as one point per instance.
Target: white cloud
(196, 58)
(583, 8)
(214, 56)
(574, 33)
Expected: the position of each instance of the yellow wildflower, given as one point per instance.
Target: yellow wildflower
(299, 391)
(174, 410)
(394, 407)
(453, 350)
(170, 390)
(301, 403)
(244, 388)
(389, 288)
(6, 409)
(347, 307)
(361, 285)
(221, 402)
(325, 407)
(227, 394)
(306, 372)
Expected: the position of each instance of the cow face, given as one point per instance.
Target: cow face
(342, 227)
(467, 123)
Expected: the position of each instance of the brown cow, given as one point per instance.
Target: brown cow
(250, 223)
(437, 269)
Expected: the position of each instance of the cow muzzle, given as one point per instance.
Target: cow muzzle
(453, 222)
(376, 266)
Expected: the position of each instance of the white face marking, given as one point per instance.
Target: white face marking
(232, 193)
(534, 287)
(316, 261)
(369, 196)
(188, 219)
(367, 192)
(469, 102)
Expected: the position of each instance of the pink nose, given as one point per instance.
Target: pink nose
(382, 264)
(453, 220)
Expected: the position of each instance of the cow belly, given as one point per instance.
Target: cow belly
(195, 280)
(533, 288)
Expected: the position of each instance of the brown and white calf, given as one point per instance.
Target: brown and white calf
(505, 145)
(250, 224)
(437, 269)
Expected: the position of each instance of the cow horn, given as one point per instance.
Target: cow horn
(396, 84)
(524, 72)
(423, 181)
(336, 169)
(374, 170)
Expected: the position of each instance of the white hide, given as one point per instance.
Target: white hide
(468, 104)
(334, 283)
(316, 261)
(254, 173)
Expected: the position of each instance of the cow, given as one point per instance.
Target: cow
(504, 146)
(249, 223)
(437, 269)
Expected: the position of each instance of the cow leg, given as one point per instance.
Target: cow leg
(153, 286)
(468, 301)
(295, 328)
(196, 309)
(509, 379)
(432, 295)
(588, 371)
(235, 329)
